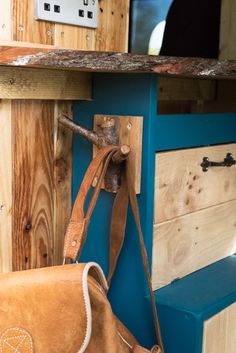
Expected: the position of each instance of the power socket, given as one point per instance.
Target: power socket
(73, 12)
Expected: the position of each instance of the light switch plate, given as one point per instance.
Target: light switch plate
(74, 12)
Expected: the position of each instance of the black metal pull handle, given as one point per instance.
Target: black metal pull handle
(229, 161)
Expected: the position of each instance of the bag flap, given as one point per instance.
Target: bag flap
(51, 305)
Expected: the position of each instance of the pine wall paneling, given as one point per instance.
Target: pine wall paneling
(38, 169)
(6, 187)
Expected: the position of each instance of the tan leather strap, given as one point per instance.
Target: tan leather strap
(117, 234)
(77, 228)
(117, 227)
(135, 209)
(78, 209)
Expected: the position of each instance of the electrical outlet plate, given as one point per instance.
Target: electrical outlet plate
(74, 12)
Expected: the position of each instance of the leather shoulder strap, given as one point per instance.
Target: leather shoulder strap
(78, 225)
(117, 234)
(135, 209)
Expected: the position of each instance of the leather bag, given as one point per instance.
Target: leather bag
(64, 309)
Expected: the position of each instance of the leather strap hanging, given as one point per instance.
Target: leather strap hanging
(117, 234)
(79, 221)
(78, 225)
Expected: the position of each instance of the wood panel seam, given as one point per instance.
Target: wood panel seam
(193, 212)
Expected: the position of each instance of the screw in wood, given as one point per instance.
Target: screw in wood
(28, 227)
(129, 126)
(74, 242)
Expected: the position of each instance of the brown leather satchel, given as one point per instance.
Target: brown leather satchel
(64, 309)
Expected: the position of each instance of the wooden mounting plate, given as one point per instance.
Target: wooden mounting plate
(130, 133)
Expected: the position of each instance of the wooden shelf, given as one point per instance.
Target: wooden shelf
(75, 60)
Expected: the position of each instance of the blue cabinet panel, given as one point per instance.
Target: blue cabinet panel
(136, 94)
(185, 304)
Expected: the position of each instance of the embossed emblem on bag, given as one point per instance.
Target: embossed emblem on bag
(16, 340)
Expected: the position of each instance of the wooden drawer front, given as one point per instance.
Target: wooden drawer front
(220, 332)
(188, 243)
(182, 187)
(195, 212)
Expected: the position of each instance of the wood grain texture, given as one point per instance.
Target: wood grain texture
(44, 84)
(26, 28)
(226, 90)
(111, 34)
(42, 148)
(24, 44)
(6, 187)
(182, 89)
(191, 242)
(62, 180)
(5, 20)
(182, 186)
(197, 107)
(228, 30)
(117, 62)
(219, 332)
(195, 96)
(130, 131)
(33, 158)
(5, 157)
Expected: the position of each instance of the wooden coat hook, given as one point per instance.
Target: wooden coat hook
(107, 134)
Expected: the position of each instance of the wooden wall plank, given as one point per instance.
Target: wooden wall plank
(191, 242)
(226, 105)
(227, 90)
(72, 37)
(228, 30)
(5, 157)
(24, 44)
(33, 123)
(185, 89)
(5, 20)
(182, 186)
(111, 34)
(26, 29)
(42, 162)
(185, 96)
(33, 214)
(114, 19)
(62, 180)
(219, 332)
(6, 187)
(44, 84)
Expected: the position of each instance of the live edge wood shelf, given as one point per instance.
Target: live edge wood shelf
(75, 60)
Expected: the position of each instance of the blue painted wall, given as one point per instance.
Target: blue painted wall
(135, 94)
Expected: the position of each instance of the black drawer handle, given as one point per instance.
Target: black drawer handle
(229, 161)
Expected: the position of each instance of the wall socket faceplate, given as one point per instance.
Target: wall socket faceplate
(74, 12)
